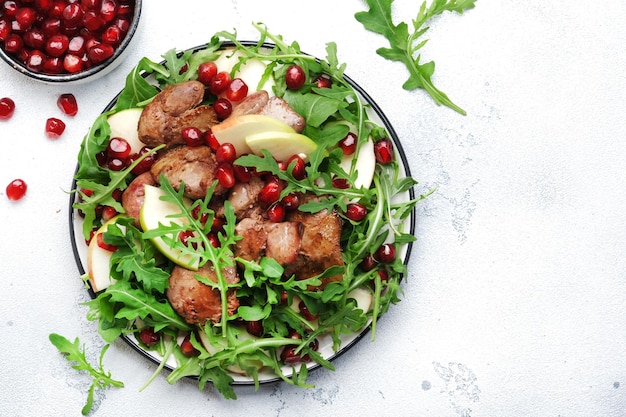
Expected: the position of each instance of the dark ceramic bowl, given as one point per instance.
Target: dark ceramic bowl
(89, 74)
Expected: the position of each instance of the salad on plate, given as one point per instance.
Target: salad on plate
(242, 212)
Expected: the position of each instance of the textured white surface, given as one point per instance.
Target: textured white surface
(514, 304)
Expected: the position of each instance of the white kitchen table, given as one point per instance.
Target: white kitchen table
(515, 299)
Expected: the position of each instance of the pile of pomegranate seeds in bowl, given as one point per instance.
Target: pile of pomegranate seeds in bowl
(66, 40)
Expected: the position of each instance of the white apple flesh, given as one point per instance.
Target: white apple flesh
(124, 124)
(99, 261)
(282, 145)
(234, 130)
(251, 71)
(155, 212)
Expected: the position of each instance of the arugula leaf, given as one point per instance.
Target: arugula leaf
(73, 352)
(404, 45)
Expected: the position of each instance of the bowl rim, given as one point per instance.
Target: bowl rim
(82, 75)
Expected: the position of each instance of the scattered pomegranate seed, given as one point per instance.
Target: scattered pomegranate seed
(295, 77)
(255, 328)
(149, 337)
(106, 246)
(237, 90)
(219, 83)
(276, 212)
(242, 173)
(291, 201)
(340, 183)
(16, 189)
(368, 263)
(223, 108)
(306, 313)
(184, 237)
(348, 144)
(7, 108)
(386, 253)
(323, 81)
(299, 167)
(54, 127)
(226, 153)
(270, 193)
(225, 175)
(213, 239)
(383, 150)
(383, 274)
(187, 348)
(108, 213)
(145, 164)
(210, 140)
(356, 212)
(206, 72)
(192, 136)
(67, 103)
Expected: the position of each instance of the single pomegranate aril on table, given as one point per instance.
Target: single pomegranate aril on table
(7, 108)
(67, 103)
(295, 77)
(54, 127)
(149, 337)
(192, 136)
(383, 150)
(16, 189)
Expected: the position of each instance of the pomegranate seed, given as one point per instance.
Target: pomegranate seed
(242, 173)
(323, 81)
(202, 218)
(289, 356)
(72, 15)
(76, 45)
(210, 140)
(187, 348)
(223, 108)
(276, 212)
(219, 83)
(67, 103)
(295, 77)
(270, 193)
(340, 183)
(108, 10)
(106, 246)
(118, 148)
(185, 236)
(91, 4)
(34, 38)
(117, 195)
(122, 23)
(53, 65)
(54, 127)
(226, 153)
(73, 63)
(386, 253)
(116, 164)
(112, 35)
(237, 90)
(383, 274)
(225, 175)
(255, 328)
(51, 26)
(368, 263)
(92, 21)
(108, 213)
(16, 189)
(383, 150)
(35, 60)
(100, 53)
(299, 167)
(9, 8)
(206, 72)
(13, 44)
(306, 313)
(149, 337)
(145, 164)
(217, 225)
(356, 212)
(291, 201)
(192, 136)
(5, 29)
(25, 17)
(348, 144)
(214, 240)
(56, 45)
(43, 5)
(7, 108)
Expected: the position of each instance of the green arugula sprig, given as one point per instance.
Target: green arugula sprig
(404, 45)
(74, 353)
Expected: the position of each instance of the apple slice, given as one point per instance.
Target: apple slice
(282, 145)
(251, 72)
(234, 130)
(123, 124)
(363, 298)
(365, 164)
(155, 212)
(99, 261)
